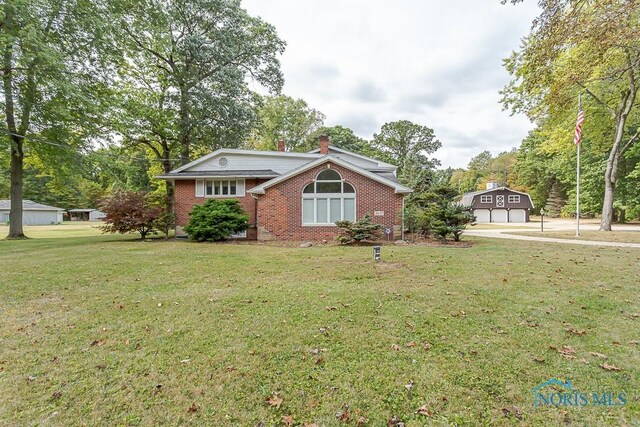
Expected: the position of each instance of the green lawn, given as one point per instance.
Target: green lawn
(601, 236)
(111, 331)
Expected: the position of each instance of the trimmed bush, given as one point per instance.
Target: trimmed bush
(356, 232)
(129, 212)
(216, 220)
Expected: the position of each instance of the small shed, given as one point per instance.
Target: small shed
(498, 205)
(86, 215)
(32, 213)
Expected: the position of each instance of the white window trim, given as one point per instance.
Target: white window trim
(240, 189)
(513, 198)
(328, 196)
(487, 197)
(241, 235)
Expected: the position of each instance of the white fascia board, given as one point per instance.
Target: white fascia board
(239, 151)
(342, 150)
(260, 189)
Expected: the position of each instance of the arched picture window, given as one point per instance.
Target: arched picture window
(328, 199)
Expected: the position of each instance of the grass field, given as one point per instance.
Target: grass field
(105, 330)
(613, 236)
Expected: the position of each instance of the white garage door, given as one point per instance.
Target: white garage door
(499, 215)
(517, 215)
(482, 215)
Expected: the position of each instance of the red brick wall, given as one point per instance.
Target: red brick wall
(185, 198)
(280, 208)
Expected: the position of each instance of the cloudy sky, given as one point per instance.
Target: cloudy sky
(435, 62)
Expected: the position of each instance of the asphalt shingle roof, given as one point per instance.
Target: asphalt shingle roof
(29, 205)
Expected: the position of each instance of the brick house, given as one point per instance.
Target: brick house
(293, 196)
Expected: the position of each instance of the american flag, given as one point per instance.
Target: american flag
(577, 137)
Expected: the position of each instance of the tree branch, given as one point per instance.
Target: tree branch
(598, 100)
(633, 139)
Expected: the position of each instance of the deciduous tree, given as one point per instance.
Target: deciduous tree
(52, 81)
(590, 47)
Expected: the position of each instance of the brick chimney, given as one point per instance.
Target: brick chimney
(281, 145)
(324, 144)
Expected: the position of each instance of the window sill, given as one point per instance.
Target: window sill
(223, 197)
(329, 224)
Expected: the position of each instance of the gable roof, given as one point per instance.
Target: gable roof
(382, 165)
(267, 154)
(256, 173)
(467, 198)
(260, 189)
(28, 205)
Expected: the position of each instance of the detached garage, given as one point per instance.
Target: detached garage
(32, 213)
(498, 205)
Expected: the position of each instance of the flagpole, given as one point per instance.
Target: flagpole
(578, 176)
(578, 193)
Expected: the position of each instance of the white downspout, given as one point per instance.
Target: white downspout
(402, 229)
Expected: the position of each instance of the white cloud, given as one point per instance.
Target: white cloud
(436, 63)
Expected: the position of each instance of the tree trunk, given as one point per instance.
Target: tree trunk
(169, 185)
(15, 213)
(185, 126)
(611, 172)
(16, 137)
(607, 203)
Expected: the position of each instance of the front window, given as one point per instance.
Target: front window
(220, 187)
(328, 199)
(486, 199)
(514, 198)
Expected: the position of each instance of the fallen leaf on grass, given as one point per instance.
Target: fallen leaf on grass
(31, 378)
(193, 408)
(395, 422)
(512, 410)
(184, 361)
(427, 346)
(634, 342)
(361, 422)
(310, 425)
(98, 343)
(567, 352)
(274, 400)
(287, 420)
(574, 331)
(332, 308)
(343, 416)
(395, 347)
(608, 367)
(635, 315)
(56, 395)
(411, 344)
(423, 410)
(596, 354)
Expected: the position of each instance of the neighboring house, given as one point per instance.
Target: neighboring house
(293, 196)
(498, 204)
(32, 213)
(86, 215)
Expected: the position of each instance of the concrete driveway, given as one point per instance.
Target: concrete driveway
(499, 231)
